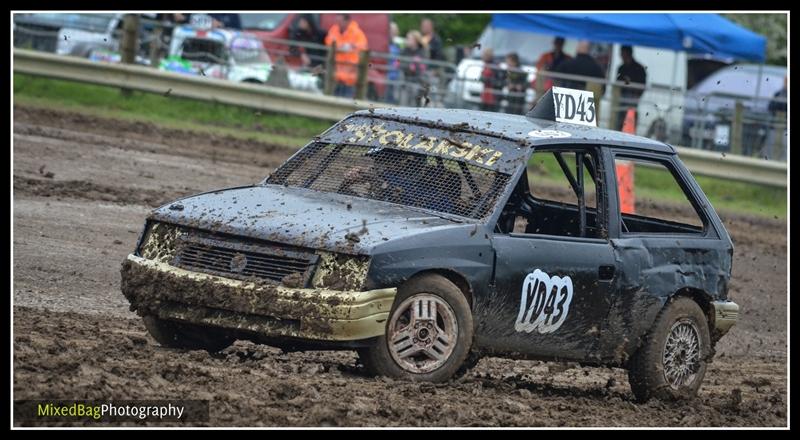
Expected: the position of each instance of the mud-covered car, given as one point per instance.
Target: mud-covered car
(427, 238)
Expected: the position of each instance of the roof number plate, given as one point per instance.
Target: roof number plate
(574, 106)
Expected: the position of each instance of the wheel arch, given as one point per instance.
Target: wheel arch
(702, 298)
(454, 277)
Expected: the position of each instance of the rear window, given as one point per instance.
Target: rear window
(397, 176)
(204, 51)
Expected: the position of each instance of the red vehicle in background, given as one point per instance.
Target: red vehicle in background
(271, 28)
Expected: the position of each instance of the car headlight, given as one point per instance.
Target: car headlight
(160, 242)
(340, 271)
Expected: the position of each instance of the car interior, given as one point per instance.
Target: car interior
(534, 209)
(525, 213)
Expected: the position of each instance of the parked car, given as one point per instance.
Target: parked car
(228, 54)
(421, 239)
(89, 35)
(709, 106)
(217, 53)
(66, 33)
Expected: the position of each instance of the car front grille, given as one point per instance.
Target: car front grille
(244, 261)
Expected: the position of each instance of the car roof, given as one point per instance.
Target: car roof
(516, 127)
(753, 68)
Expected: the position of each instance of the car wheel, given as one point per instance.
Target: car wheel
(428, 333)
(672, 361)
(174, 334)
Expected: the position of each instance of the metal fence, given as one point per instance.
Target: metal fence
(285, 101)
(717, 122)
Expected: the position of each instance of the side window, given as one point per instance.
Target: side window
(547, 181)
(557, 196)
(652, 200)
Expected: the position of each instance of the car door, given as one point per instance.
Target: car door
(554, 276)
(663, 246)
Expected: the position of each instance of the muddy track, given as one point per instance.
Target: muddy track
(94, 357)
(78, 189)
(82, 187)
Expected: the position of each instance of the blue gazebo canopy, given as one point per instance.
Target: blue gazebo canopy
(694, 33)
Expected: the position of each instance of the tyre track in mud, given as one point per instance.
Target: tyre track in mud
(75, 338)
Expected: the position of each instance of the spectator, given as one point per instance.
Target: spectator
(350, 41)
(416, 51)
(414, 69)
(516, 82)
(629, 72)
(431, 40)
(396, 45)
(490, 77)
(549, 61)
(304, 29)
(583, 64)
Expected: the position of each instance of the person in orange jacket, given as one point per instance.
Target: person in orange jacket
(349, 43)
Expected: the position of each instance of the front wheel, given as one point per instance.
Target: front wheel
(671, 363)
(428, 335)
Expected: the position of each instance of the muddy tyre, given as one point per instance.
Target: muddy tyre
(174, 334)
(672, 360)
(428, 333)
(471, 362)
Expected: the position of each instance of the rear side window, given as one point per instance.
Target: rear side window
(652, 199)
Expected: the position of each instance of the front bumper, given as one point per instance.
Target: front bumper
(268, 309)
(726, 313)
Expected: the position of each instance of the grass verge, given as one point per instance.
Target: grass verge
(167, 111)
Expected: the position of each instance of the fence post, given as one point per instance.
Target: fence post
(597, 92)
(779, 128)
(736, 130)
(613, 105)
(361, 81)
(155, 46)
(330, 69)
(129, 43)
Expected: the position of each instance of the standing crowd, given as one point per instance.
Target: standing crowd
(505, 84)
(409, 73)
(413, 66)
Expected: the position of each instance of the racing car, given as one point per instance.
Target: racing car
(423, 240)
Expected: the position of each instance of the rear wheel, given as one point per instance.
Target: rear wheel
(175, 334)
(428, 335)
(672, 361)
